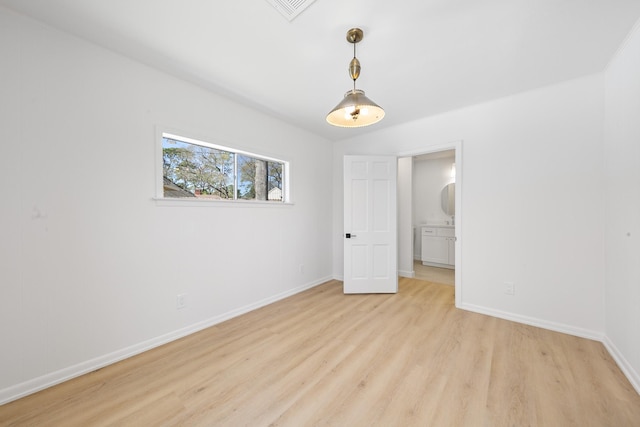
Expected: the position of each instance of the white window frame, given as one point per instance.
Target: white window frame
(161, 200)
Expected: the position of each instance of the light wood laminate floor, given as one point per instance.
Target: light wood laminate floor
(443, 276)
(328, 359)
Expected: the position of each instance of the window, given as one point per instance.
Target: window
(196, 169)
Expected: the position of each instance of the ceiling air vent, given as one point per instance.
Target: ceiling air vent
(290, 8)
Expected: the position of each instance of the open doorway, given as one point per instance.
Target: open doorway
(430, 212)
(433, 213)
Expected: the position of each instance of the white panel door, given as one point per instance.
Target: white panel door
(370, 230)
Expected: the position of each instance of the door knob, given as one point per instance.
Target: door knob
(349, 235)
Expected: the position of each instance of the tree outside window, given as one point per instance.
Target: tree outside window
(206, 172)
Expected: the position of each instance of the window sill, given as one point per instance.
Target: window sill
(166, 202)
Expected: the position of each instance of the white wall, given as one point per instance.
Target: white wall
(532, 199)
(90, 265)
(430, 176)
(405, 217)
(622, 230)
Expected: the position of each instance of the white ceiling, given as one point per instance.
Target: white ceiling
(419, 57)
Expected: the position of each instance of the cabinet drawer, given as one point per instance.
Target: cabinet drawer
(438, 231)
(429, 231)
(446, 232)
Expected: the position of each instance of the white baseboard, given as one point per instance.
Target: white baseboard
(532, 321)
(45, 381)
(406, 273)
(626, 368)
(31, 386)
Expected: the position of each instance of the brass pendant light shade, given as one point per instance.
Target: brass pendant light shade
(355, 110)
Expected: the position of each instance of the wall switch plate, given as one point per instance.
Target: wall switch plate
(181, 301)
(509, 288)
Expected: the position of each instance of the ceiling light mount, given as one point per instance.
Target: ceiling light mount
(355, 35)
(355, 110)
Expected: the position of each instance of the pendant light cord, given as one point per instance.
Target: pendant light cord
(354, 57)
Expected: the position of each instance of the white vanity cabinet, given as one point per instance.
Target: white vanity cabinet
(438, 246)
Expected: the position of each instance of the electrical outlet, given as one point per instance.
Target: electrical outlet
(301, 268)
(509, 288)
(181, 301)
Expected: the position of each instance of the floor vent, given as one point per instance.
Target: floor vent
(290, 8)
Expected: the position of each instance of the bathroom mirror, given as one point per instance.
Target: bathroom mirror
(448, 199)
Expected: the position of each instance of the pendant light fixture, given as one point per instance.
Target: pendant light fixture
(355, 110)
